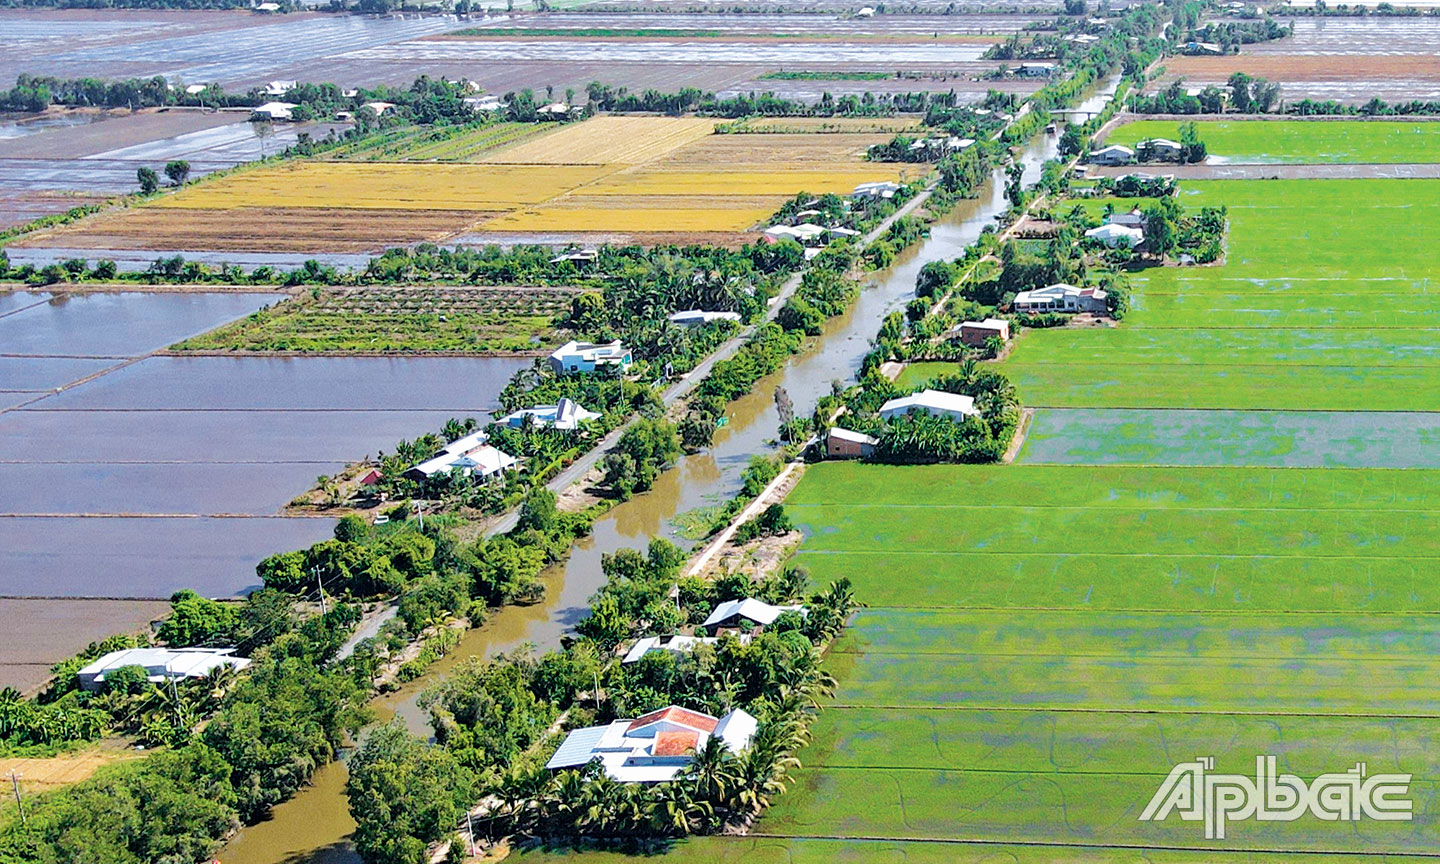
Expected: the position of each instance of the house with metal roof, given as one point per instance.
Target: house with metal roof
(1115, 154)
(677, 643)
(565, 415)
(746, 612)
(977, 333)
(697, 317)
(160, 664)
(936, 403)
(1061, 297)
(653, 748)
(575, 356)
(471, 455)
(1113, 235)
(842, 443)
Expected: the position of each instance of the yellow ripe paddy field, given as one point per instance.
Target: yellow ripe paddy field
(621, 177)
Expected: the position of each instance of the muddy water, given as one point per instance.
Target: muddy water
(313, 826)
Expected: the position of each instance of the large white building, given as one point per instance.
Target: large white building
(1115, 235)
(653, 748)
(1061, 298)
(697, 317)
(936, 403)
(747, 612)
(576, 356)
(160, 664)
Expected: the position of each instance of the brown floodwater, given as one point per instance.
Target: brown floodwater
(313, 827)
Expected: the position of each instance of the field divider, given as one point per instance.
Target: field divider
(1177, 712)
(1065, 844)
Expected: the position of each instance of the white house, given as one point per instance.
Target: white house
(800, 233)
(746, 612)
(160, 664)
(1113, 235)
(1061, 298)
(1035, 70)
(280, 88)
(195, 89)
(576, 356)
(1210, 48)
(1115, 154)
(565, 415)
(484, 103)
(276, 110)
(653, 748)
(866, 12)
(379, 107)
(676, 644)
(877, 189)
(936, 403)
(1133, 219)
(471, 455)
(1161, 148)
(697, 317)
(579, 257)
(267, 7)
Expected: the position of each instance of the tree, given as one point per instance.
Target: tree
(404, 794)
(148, 179)
(178, 171)
(196, 620)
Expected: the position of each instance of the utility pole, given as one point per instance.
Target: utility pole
(319, 583)
(597, 690)
(470, 817)
(15, 783)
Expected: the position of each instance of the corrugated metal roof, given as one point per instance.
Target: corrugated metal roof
(578, 748)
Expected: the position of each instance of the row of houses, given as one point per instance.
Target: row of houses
(1158, 149)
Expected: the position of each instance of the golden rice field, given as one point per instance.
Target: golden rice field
(608, 141)
(635, 179)
(387, 186)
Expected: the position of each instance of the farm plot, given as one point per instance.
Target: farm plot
(1289, 439)
(609, 141)
(1044, 643)
(1329, 280)
(1301, 141)
(398, 321)
(1122, 537)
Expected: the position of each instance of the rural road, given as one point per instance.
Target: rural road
(681, 388)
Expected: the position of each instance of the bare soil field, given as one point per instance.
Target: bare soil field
(773, 149)
(279, 229)
(118, 129)
(833, 125)
(42, 775)
(19, 206)
(40, 633)
(1346, 78)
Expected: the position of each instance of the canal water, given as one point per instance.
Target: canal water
(313, 826)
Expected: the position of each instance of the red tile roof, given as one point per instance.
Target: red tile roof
(675, 743)
(682, 716)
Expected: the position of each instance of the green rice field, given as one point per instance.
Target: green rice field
(1300, 141)
(1289, 439)
(1305, 287)
(1043, 643)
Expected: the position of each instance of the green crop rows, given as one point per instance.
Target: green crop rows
(439, 144)
(397, 320)
(1300, 141)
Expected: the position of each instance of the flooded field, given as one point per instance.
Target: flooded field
(129, 475)
(1345, 59)
(60, 628)
(889, 55)
(768, 24)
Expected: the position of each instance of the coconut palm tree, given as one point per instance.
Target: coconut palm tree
(712, 771)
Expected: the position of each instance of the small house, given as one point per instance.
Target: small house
(1034, 70)
(471, 455)
(745, 614)
(842, 443)
(799, 233)
(195, 89)
(1115, 154)
(276, 110)
(866, 12)
(1162, 149)
(564, 415)
(267, 7)
(1132, 219)
(280, 88)
(379, 107)
(1116, 236)
(1061, 297)
(977, 333)
(936, 403)
(675, 644)
(877, 189)
(1202, 48)
(653, 748)
(699, 317)
(576, 356)
(581, 256)
(160, 664)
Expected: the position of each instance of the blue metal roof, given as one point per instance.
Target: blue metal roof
(577, 748)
